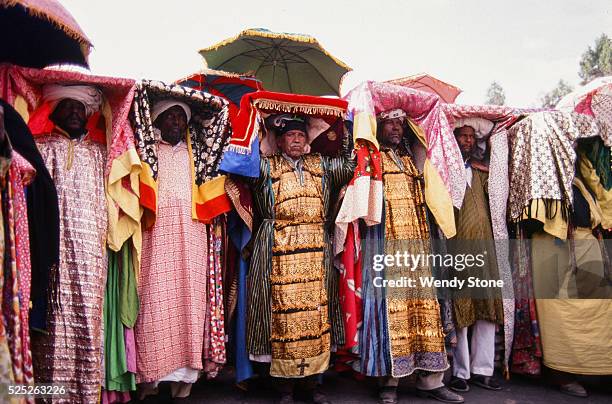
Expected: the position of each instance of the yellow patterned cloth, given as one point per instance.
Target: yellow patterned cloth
(300, 333)
(576, 333)
(415, 327)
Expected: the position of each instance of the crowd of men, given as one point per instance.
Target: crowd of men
(294, 313)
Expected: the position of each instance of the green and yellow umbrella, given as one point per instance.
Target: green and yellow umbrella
(288, 63)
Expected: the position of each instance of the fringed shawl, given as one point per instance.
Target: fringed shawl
(242, 155)
(542, 159)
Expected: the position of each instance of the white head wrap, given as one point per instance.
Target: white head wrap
(89, 96)
(392, 114)
(482, 129)
(162, 106)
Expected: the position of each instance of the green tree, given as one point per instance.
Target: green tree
(597, 61)
(553, 97)
(495, 94)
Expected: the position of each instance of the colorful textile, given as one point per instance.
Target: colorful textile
(214, 353)
(209, 132)
(291, 278)
(498, 191)
(6, 369)
(527, 346)
(128, 290)
(542, 158)
(43, 219)
(350, 288)
(593, 99)
(413, 318)
(595, 184)
(117, 377)
(600, 157)
(230, 86)
(363, 198)
(300, 335)
(22, 88)
(21, 175)
(402, 328)
(370, 98)
(174, 278)
(10, 292)
(242, 154)
(240, 234)
(70, 353)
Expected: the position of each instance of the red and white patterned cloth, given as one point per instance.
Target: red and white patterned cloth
(172, 288)
(21, 174)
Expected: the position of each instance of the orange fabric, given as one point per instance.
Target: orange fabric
(212, 208)
(148, 196)
(210, 200)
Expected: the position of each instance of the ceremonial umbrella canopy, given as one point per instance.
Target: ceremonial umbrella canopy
(288, 63)
(39, 33)
(424, 82)
(594, 99)
(230, 86)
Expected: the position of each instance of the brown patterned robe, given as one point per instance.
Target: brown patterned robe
(70, 354)
(473, 223)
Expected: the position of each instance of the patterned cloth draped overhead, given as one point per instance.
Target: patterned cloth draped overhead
(98, 202)
(21, 87)
(443, 187)
(542, 158)
(498, 189)
(293, 309)
(401, 331)
(209, 131)
(180, 286)
(242, 154)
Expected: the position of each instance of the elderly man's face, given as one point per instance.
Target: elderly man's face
(392, 132)
(173, 124)
(292, 143)
(70, 116)
(466, 139)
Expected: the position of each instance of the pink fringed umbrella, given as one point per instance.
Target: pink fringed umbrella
(425, 82)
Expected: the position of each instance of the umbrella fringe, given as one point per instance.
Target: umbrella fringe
(307, 109)
(42, 14)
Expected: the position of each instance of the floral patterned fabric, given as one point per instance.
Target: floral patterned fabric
(209, 128)
(542, 157)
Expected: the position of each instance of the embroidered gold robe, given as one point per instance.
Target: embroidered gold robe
(293, 310)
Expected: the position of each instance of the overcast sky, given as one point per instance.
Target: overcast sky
(527, 46)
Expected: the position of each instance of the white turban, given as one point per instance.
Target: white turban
(482, 129)
(89, 96)
(162, 106)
